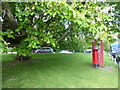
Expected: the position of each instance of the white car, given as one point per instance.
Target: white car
(65, 51)
(89, 51)
(44, 50)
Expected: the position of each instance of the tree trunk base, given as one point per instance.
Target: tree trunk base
(22, 58)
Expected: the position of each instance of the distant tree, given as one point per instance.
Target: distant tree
(107, 47)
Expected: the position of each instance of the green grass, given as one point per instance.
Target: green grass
(57, 71)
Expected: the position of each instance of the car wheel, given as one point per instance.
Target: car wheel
(50, 52)
(39, 52)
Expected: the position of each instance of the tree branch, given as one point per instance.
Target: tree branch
(9, 14)
(66, 32)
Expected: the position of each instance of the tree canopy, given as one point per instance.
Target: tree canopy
(30, 25)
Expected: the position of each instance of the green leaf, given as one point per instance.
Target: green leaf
(54, 14)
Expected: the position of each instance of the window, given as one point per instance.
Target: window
(47, 48)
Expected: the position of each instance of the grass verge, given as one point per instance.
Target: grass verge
(57, 71)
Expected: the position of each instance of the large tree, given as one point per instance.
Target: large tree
(29, 25)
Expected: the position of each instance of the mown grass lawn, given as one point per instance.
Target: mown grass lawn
(57, 71)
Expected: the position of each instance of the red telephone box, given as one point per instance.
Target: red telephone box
(97, 54)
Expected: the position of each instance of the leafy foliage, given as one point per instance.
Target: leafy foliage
(107, 47)
(43, 23)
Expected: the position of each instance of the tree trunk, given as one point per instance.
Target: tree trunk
(22, 58)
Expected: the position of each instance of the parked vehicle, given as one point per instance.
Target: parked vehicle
(44, 50)
(114, 48)
(9, 52)
(66, 51)
(89, 51)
